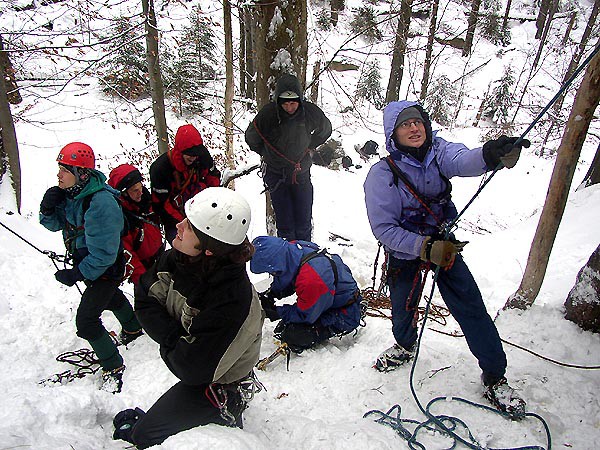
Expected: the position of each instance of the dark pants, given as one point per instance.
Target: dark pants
(181, 408)
(463, 299)
(301, 336)
(292, 204)
(101, 295)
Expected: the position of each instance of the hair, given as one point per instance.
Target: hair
(222, 254)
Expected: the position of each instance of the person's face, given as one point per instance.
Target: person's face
(186, 240)
(411, 133)
(65, 178)
(135, 192)
(189, 159)
(290, 107)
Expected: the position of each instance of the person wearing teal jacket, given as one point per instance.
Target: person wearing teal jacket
(86, 210)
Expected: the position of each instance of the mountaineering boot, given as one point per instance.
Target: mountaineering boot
(392, 358)
(505, 398)
(124, 423)
(126, 337)
(112, 380)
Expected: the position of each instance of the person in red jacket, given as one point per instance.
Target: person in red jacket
(178, 175)
(143, 242)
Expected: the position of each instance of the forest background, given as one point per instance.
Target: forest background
(81, 70)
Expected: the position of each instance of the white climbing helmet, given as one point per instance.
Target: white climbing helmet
(220, 213)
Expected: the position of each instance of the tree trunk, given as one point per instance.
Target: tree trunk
(541, 18)
(471, 24)
(9, 136)
(336, 7)
(548, 25)
(593, 174)
(282, 49)
(506, 14)
(586, 101)
(229, 86)
(570, 28)
(12, 89)
(585, 37)
(156, 84)
(274, 48)
(429, 50)
(393, 88)
(314, 86)
(242, 51)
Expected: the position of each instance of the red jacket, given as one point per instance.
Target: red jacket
(173, 182)
(143, 241)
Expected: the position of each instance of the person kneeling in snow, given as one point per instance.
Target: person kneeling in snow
(87, 212)
(198, 303)
(409, 204)
(328, 300)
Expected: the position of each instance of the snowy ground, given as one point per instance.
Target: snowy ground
(320, 401)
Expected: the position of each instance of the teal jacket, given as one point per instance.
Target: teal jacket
(93, 239)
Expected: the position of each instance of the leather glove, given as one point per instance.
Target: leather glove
(439, 251)
(53, 197)
(68, 277)
(504, 150)
(267, 301)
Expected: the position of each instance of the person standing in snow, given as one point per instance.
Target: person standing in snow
(408, 204)
(143, 242)
(88, 213)
(197, 302)
(178, 175)
(284, 133)
(328, 300)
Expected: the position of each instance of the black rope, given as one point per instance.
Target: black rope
(560, 92)
(50, 254)
(54, 257)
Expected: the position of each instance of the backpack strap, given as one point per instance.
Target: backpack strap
(323, 252)
(399, 175)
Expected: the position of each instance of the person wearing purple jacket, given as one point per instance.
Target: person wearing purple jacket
(409, 205)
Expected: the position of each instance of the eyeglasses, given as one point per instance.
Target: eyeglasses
(408, 123)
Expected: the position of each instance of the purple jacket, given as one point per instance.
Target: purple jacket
(397, 218)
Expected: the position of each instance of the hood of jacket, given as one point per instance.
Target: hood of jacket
(288, 82)
(96, 183)
(277, 257)
(187, 136)
(390, 114)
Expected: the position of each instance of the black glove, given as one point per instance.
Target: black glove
(124, 423)
(439, 251)
(267, 301)
(505, 150)
(53, 197)
(68, 277)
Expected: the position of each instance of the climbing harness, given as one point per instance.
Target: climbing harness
(449, 425)
(296, 164)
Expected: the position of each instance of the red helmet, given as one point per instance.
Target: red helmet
(77, 154)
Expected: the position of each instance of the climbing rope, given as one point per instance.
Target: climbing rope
(54, 257)
(446, 425)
